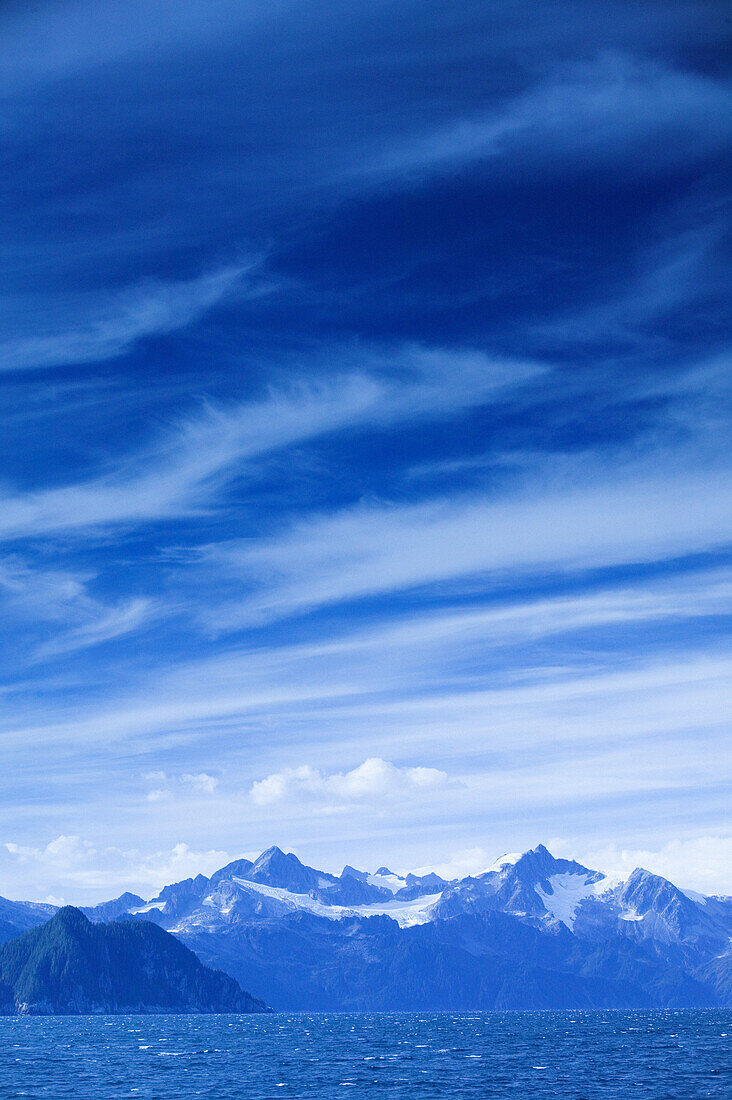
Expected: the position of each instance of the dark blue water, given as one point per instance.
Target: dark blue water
(652, 1055)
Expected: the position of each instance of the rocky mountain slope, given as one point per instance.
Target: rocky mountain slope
(70, 966)
(17, 917)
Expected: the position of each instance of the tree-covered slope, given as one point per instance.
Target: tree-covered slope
(70, 966)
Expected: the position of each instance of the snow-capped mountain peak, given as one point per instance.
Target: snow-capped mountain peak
(655, 942)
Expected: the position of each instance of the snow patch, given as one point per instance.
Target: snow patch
(569, 890)
(405, 913)
(212, 903)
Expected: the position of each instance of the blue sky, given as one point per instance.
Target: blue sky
(365, 437)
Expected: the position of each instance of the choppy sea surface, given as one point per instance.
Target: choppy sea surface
(573, 1055)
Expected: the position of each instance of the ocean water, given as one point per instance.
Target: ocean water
(572, 1055)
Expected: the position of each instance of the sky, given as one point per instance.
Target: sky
(364, 437)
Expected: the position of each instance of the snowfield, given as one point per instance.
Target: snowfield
(569, 890)
(405, 913)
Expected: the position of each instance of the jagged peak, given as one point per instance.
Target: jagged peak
(274, 854)
(277, 868)
(540, 854)
(353, 872)
(430, 877)
(641, 878)
(236, 867)
(540, 858)
(533, 866)
(186, 886)
(642, 872)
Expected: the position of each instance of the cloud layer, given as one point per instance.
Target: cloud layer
(364, 434)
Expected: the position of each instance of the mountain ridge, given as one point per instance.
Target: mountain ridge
(531, 931)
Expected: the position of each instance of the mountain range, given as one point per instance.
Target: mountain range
(531, 932)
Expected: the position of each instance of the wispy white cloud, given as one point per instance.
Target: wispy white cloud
(558, 749)
(184, 471)
(57, 603)
(109, 327)
(375, 676)
(116, 622)
(68, 39)
(167, 786)
(601, 109)
(41, 593)
(519, 621)
(528, 752)
(192, 678)
(598, 521)
(201, 781)
(677, 271)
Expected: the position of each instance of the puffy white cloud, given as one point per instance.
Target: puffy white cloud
(63, 852)
(374, 778)
(70, 865)
(159, 868)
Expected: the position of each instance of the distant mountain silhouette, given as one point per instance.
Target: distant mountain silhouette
(70, 966)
